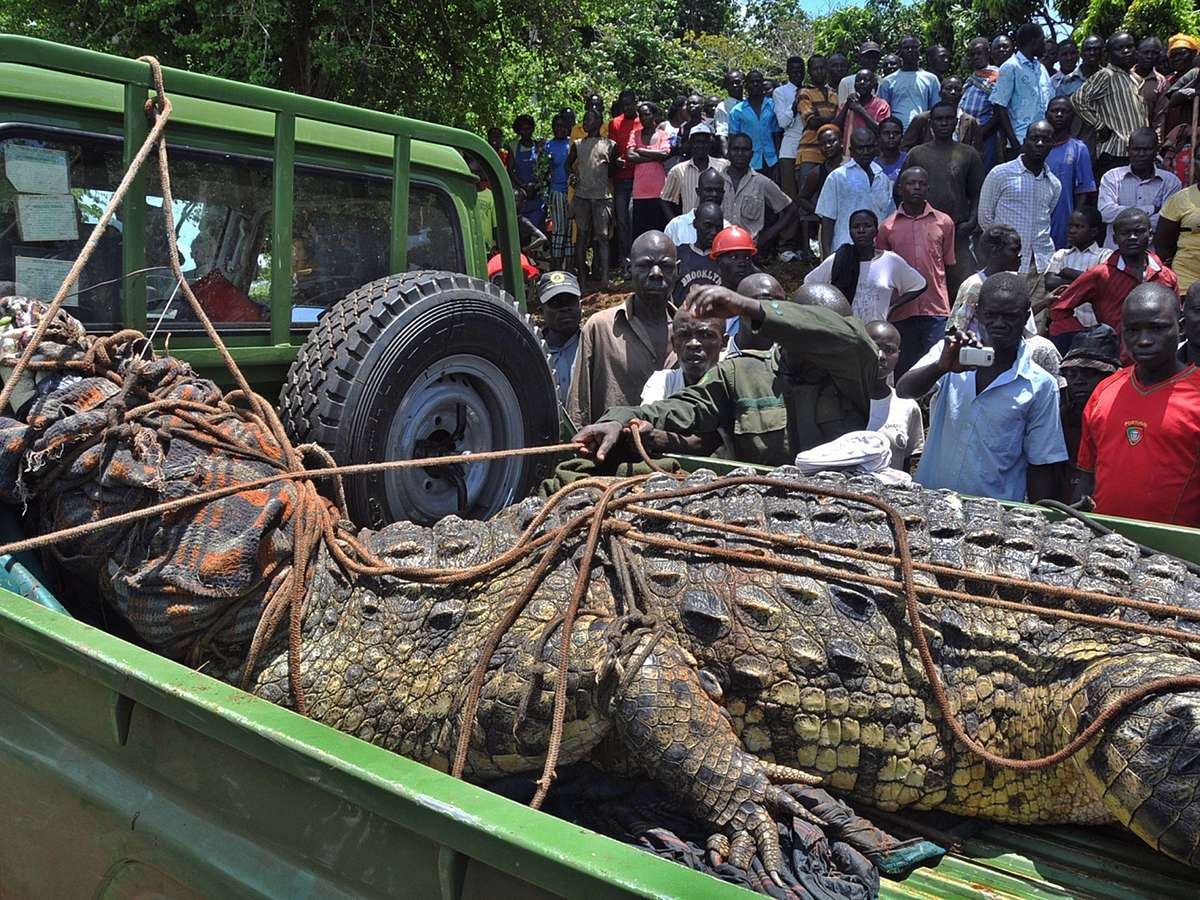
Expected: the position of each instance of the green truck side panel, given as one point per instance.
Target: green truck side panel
(111, 755)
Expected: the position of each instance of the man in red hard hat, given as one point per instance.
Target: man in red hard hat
(733, 248)
(495, 273)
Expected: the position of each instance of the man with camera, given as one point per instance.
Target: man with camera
(994, 425)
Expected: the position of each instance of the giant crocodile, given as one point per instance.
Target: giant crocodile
(759, 669)
(744, 676)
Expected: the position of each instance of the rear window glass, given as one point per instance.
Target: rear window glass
(341, 236)
(54, 187)
(52, 193)
(434, 241)
(222, 212)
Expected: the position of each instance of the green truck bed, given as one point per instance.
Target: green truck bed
(124, 774)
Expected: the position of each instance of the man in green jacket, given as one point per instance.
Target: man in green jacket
(813, 386)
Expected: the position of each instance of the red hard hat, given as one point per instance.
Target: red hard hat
(496, 266)
(732, 238)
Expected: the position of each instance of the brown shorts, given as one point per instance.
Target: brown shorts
(597, 213)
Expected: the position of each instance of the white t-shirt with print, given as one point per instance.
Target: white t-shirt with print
(886, 276)
(899, 421)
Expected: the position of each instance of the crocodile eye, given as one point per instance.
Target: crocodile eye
(445, 614)
(757, 606)
(704, 615)
(751, 671)
(846, 656)
(852, 602)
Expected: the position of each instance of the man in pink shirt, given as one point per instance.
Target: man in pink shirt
(924, 237)
(863, 107)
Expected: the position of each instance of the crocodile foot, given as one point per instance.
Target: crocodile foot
(673, 729)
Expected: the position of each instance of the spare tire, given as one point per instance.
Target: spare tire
(425, 364)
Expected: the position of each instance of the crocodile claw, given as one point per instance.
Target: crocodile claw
(752, 832)
(783, 802)
(787, 775)
(718, 849)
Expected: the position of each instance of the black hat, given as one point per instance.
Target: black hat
(555, 284)
(1097, 348)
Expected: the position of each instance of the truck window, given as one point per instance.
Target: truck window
(222, 212)
(52, 191)
(341, 236)
(434, 238)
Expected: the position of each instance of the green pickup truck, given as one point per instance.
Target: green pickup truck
(341, 253)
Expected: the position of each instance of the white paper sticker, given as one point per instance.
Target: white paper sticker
(41, 278)
(36, 170)
(47, 217)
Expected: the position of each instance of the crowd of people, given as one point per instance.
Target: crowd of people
(1010, 241)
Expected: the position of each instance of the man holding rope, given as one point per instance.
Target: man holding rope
(773, 403)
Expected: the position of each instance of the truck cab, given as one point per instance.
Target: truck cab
(287, 208)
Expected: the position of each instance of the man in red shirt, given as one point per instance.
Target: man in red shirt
(1139, 448)
(1105, 286)
(619, 130)
(924, 237)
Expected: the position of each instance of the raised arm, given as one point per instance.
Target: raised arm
(921, 378)
(809, 334)
(1077, 292)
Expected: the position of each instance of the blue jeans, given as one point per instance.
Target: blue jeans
(623, 209)
(989, 153)
(917, 335)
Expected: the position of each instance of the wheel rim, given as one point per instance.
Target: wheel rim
(461, 404)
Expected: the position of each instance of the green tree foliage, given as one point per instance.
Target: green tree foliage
(781, 26)
(884, 21)
(476, 63)
(1142, 17)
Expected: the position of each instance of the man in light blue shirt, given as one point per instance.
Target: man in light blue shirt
(755, 116)
(854, 185)
(994, 431)
(910, 90)
(558, 293)
(1023, 88)
(1068, 79)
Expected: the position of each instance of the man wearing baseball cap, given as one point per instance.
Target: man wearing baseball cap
(679, 194)
(868, 58)
(1094, 356)
(561, 312)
